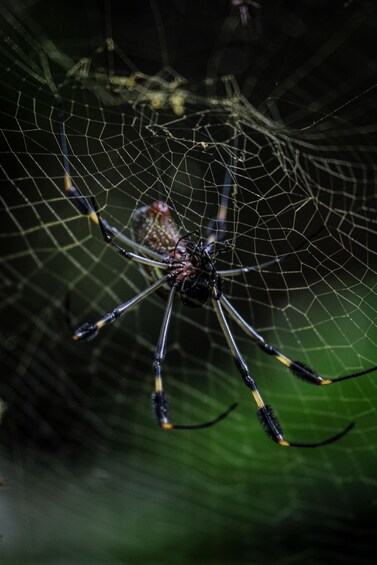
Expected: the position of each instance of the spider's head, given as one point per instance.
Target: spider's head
(194, 273)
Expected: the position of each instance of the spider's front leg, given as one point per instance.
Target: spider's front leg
(89, 330)
(265, 413)
(298, 368)
(160, 402)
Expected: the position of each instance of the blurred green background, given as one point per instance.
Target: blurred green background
(88, 476)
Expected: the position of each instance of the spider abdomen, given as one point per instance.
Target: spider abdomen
(154, 228)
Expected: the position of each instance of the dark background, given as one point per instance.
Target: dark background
(88, 476)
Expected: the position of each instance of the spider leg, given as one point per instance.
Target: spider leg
(89, 330)
(82, 204)
(160, 402)
(227, 273)
(298, 368)
(108, 237)
(265, 413)
(78, 199)
(216, 227)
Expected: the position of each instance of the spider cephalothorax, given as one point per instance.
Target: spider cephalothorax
(195, 275)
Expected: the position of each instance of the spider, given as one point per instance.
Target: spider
(176, 266)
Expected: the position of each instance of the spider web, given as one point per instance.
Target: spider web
(83, 462)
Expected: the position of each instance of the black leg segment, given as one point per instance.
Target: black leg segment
(265, 413)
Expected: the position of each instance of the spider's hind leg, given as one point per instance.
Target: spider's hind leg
(107, 232)
(80, 202)
(216, 228)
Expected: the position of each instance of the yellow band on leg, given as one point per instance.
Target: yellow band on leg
(284, 443)
(287, 362)
(258, 399)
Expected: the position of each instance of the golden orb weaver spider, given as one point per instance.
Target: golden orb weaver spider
(180, 267)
